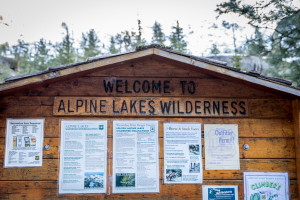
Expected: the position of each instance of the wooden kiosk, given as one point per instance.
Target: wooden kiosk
(267, 112)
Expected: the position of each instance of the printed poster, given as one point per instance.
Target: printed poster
(135, 157)
(83, 155)
(182, 153)
(221, 147)
(24, 142)
(220, 192)
(266, 185)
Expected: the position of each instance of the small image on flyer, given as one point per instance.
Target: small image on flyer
(125, 179)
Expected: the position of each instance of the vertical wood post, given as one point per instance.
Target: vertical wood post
(296, 117)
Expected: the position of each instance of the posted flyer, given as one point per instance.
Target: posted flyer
(220, 192)
(135, 157)
(266, 185)
(24, 142)
(221, 147)
(83, 155)
(182, 153)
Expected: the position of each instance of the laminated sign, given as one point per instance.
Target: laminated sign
(266, 185)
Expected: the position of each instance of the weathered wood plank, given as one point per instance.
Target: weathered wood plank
(247, 127)
(259, 148)
(50, 169)
(49, 190)
(296, 116)
(258, 108)
(204, 87)
(149, 68)
(135, 106)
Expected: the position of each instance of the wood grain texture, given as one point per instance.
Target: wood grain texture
(258, 108)
(205, 87)
(50, 168)
(285, 148)
(296, 115)
(256, 128)
(48, 190)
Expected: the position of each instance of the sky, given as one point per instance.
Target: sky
(30, 20)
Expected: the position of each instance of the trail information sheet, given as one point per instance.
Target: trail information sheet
(83, 155)
(266, 185)
(182, 153)
(24, 142)
(220, 192)
(135, 157)
(221, 147)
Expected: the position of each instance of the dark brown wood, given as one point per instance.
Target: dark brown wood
(48, 190)
(296, 114)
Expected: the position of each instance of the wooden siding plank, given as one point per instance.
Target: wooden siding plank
(205, 87)
(258, 108)
(247, 127)
(285, 148)
(296, 115)
(49, 190)
(50, 168)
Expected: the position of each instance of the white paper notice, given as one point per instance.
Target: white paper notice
(182, 153)
(135, 157)
(24, 142)
(83, 152)
(266, 185)
(221, 147)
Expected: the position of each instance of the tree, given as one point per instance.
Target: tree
(66, 51)
(282, 18)
(112, 47)
(214, 50)
(139, 40)
(41, 56)
(90, 44)
(158, 35)
(177, 39)
(256, 45)
(22, 55)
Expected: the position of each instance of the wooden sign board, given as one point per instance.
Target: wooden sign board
(139, 106)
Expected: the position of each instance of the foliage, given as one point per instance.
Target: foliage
(66, 51)
(214, 50)
(90, 44)
(158, 35)
(282, 47)
(177, 39)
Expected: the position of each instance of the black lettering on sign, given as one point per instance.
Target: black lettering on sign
(79, 104)
(142, 106)
(61, 106)
(94, 106)
(146, 86)
(207, 107)
(108, 87)
(216, 107)
(233, 104)
(197, 106)
(225, 107)
(126, 87)
(152, 109)
(242, 106)
(124, 107)
(135, 89)
(165, 107)
(118, 86)
(102, 105)
(132, 106)
(69, 110)
(115, 111)
(189, 107)
(156, 86)
(166, 87)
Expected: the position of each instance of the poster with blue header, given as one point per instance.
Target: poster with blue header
(220, 192)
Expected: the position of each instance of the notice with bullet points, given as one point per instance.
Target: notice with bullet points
(221, 147)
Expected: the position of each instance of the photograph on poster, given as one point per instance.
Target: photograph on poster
(24, 143)
(266, 185)
(220, 192)
(221, 147)
(135, 157)
(83, 156)
(182, 153)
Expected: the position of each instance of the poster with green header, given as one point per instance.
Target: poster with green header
(266, 186)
